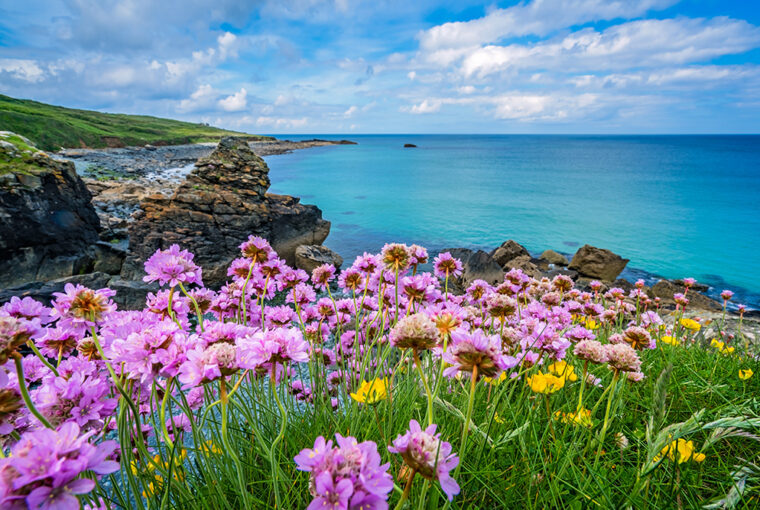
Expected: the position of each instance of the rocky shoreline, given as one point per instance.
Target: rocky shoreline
(209, 198)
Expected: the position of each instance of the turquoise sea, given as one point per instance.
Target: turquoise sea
(675, 205)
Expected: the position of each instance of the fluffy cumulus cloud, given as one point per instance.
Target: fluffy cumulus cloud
(391, 66)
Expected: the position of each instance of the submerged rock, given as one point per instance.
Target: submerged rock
(597, 263)
(223, 201)
(309, 257)
(47, 221)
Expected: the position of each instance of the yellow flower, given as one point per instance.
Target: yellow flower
(502, 377)
(721, 346)
(745, 374)
(669, 340)
(591, 324)
(681, 451)
(563, 370)
(581, 417)
(372, 392)
(691, 324)
(545, 383)
(497, 418)
(210, 447)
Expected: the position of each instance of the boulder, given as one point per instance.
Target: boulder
(552, 257)
(597, 263)
(664, 289)
(43, 290)
(567, 272)
(309, 257)
(409, 146)
(47, 221)
(109, 257)
(477, 265)
(131, 294)
(220, 203)
(526, 264)
(699, 287)
(509, 250)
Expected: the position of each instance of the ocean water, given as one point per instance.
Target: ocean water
(675, 206)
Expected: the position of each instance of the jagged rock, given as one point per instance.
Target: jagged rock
(526, 264)
(664, 289)
(508, 251)
(222, 202)
(131, 294)
(597, 263)
(46, 219)
(109, 258)
(552, 257)
(477, 265)
(410, 146)
(309, 257)
(699, 287)
(43, 291)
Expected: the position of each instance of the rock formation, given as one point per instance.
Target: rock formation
(553, 257)
(597, 263)
(47, 222)
(477, 265)
(508, 251)
(223, 201)
(309, 257)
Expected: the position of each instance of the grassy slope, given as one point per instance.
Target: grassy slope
(52, 127)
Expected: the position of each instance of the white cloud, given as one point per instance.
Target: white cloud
(24, 70)
(281, 122)
(236, 102)
(466, 89)
(352, 110)
(426, 106)
(633, 44)
(444, 43)
(202, 99)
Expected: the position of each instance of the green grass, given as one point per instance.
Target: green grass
(517, 456)
(53, 127)
(18, 160)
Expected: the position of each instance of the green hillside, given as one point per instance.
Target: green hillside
(52, 127)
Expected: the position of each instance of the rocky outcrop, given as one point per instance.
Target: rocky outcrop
(47, 222)
(664, 289)
(222, 202)
(597, 263)
(526, 264)
(508, 251)
(477, 265)
(309, 257)
(553, 257)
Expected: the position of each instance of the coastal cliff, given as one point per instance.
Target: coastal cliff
(223, 201)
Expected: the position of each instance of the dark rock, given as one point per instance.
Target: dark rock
(552, 257)
(597, 263)
(410, 146)
(665, 289)
(131, 294)
(509, 250)
(624, 284)
(109, 258)
(46, 218)
(217, 207)
(477, 265)
(567, 272)
(699, 287)
(309, 257)
(43, 291)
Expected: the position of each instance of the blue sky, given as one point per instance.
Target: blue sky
(343, 66)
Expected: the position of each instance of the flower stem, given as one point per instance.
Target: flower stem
(418, 363)
(25, 392)
(283, 424)
(226, 442)
(45, 362)
(606, 416)
(468, 417)
(407, 490)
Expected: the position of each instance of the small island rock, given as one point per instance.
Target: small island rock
(598, 263)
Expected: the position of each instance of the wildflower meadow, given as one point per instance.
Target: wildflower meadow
(375, 387)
